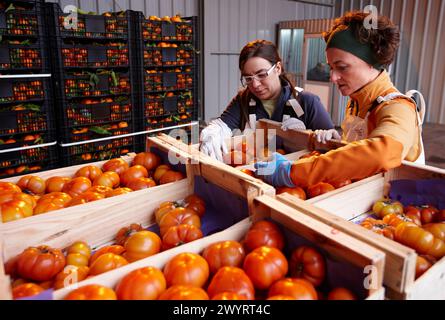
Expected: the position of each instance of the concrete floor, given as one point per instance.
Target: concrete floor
(434, 144)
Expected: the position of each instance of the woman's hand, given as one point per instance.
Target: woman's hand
(324, 136)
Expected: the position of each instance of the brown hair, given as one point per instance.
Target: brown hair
(266, 50)
(384, 40)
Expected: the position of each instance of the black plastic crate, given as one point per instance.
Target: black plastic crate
(170, 103)
(99, 55)
(95, 84)
(24, 90)
(168, 54)
(19, 23)
(26, 118)
(180, 78)
(177, 29)
(96, 132)
(20, 56)
(99, 151)
(29, 160)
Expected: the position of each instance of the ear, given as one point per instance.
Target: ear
(279, 68)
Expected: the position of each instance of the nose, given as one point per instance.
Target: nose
(255, 83)
(334, 76)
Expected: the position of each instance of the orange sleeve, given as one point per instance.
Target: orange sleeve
(357, 160)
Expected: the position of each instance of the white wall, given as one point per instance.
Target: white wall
(228, 26)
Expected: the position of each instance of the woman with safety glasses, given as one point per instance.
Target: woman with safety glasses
(268, 94)
(382, 126)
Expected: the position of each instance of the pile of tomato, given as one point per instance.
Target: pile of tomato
(153, 54)
(80, 87)
(152, 28)
(115, 27)
(421, 228)
(154, 79)
(25, 90)
(23, 58)
(82, 114)
(20, 23)
(33, 195)
(78, 57)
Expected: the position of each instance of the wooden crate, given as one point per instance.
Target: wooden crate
(399, 277)
(98, 223)
(340, 247)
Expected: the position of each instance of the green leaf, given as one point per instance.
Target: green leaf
(25, 43)
(99, 130)
(11, 7)
(33, 107)
(39, 140)
(115, 79)
(80, 11)
(94, 79)
(176, 118)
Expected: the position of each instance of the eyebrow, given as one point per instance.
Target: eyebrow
(256, 72)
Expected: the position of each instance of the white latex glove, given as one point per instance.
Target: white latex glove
(213, 139)
(324, 136)
(293, 124)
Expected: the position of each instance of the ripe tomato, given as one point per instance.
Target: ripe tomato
(297, 191)
(437, 229)
(228, 296)
(108, 179)
(76, 259)
(26, 290)
(319, 189)
(159, 172)
(195, 203)
(116, 249)
(117, 165)
(224, 254)
(40, 263)
(133, 172)
(70, 275)
(125, 232)
(422, 265)
(379, 227)
(142, 244)
(178, 235)
(176, 217)
(281, 297)
(56, 184)
(90, 172)
(414, 237)
(9, 187)
(118, 192)
(106, 262)
(142, 284)
(186, 269)
(141, 183)
(14, 210)
(92, 292)
(264, 266)
(341, 294)
(386, 206)
(264, 233)
(148, 160)
(299, 289)
(77, 186)
(52, 201)
(30, 200)
(171, 176)
(100, 189)
(85, 197)
(231, 279)
(307, 263)
(181, 292)
(164, 208)
(32, 185)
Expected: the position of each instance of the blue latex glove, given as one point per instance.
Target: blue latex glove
(276, 172)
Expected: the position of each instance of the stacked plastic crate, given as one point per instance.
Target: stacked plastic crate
(94, 64)
(170, 68)
(27, 131)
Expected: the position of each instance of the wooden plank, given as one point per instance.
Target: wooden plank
(400, 260)
(414, 171)
(96, 222)
(340, 245)
(5, 289)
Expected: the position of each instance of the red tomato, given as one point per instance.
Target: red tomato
(309, 264)
(116, 249)
(297, 191)
(195, 203)
(386, 206)
(92, 292)
(171, 176)
(26, 290)
(224, 254)
(299, 289)
(70, 275)
(9, 187)
(141, 183)
(148, 160)
(32, 185)
(231, 279)
(133, 172)
(422, 265)
(181, 292)
(264, 233)
(341, 294)
(178, 235)
(124, 233)
(56, 184)
(117, 165)
(85, 197)
(176, 217)
(106, 262)
(147, 283)
(108, 179)
(142, 244)
(264, 266)
(319, 189)
(228, 296)
(118, 192)
(77, 186)
(159, 172)
(40, 263)
(90, 172)
(186, 269)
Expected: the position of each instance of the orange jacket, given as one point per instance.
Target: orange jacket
(393, 135)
